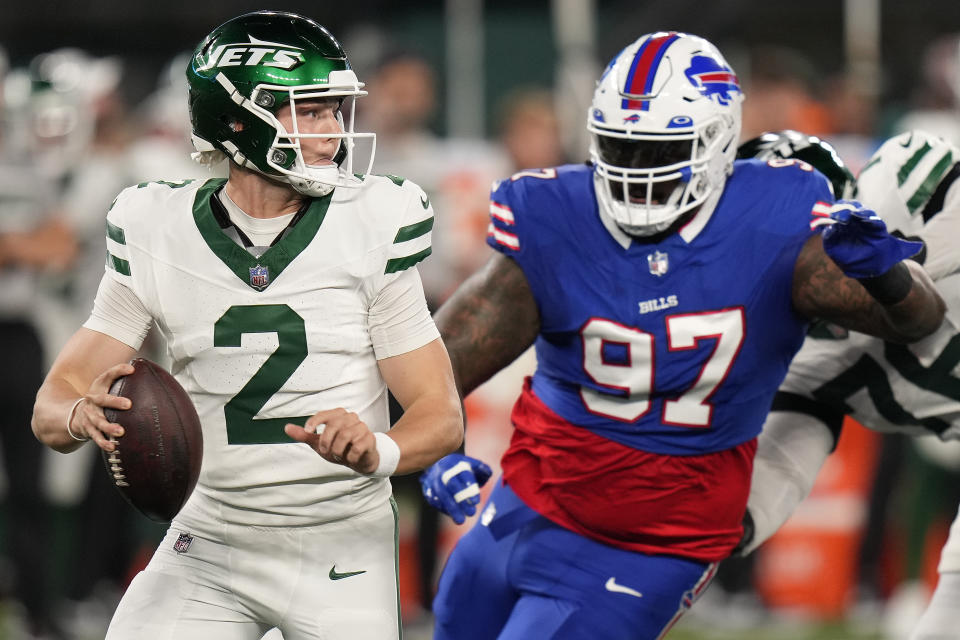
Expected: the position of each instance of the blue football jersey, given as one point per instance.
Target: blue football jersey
(675, 347)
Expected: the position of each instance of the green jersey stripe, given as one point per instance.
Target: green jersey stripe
(912, 163)
(929, 185)
(118, 264)
(397, 180)
(399, 264)
(115, 233)
(414, 230)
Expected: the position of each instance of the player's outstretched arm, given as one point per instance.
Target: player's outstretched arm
(864, 283)
(488, 322)
(69, 405)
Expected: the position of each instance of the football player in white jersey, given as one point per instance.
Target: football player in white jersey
(912, 183)
(290, 302)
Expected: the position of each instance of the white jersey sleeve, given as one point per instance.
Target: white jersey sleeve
(118, 253)
(119, 313)
(399, 318)
(940, 236)
(899, 182)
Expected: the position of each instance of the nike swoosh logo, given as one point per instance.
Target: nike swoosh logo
(425, 202)
(340, 576)
(619, 588)
(906, 145)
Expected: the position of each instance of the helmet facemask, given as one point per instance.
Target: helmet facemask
(286, 156)
(649, 181)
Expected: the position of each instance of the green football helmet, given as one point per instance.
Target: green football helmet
(816, 152)
(246, 70)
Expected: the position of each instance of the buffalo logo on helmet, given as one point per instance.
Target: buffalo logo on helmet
(712, 79)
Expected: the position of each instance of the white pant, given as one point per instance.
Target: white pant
(329, 582)
(941, 620)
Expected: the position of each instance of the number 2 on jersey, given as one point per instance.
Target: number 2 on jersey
(240, 412)
(630, 380)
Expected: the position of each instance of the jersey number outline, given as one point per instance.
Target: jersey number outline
(243, 427)
(631, 381)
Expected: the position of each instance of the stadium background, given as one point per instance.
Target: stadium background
(858, 559)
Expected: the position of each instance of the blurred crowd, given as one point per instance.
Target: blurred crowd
(70, 141)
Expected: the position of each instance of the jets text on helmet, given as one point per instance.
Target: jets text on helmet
(268, 54)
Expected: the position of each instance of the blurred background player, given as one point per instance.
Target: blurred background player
(628, 469)
(35, 243)
(912, 182)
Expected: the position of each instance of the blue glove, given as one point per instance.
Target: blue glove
(858, 241)
(452, 485)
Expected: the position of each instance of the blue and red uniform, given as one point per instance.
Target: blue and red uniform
(657, 364)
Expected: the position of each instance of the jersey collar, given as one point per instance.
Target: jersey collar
(688, 231)
(256, 273)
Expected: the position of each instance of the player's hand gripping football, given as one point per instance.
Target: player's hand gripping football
(452, 485)
(339, 436)
(858, 241)
(87, 420)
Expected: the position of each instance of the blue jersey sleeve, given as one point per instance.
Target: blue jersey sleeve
(503, 232)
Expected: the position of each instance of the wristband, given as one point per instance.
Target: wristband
(389, 456)
(73, 410)
(890, 287)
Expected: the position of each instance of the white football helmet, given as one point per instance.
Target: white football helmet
(664, 126)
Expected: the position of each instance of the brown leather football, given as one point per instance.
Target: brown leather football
(157, 460)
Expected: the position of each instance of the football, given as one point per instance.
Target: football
(157, 460)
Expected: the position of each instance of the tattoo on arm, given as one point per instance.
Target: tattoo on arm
(821, 291)
(488, 322)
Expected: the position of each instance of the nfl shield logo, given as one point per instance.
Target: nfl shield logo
(259, 277)
(657, 261)
(182, 543)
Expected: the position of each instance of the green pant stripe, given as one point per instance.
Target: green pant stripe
(396, 561)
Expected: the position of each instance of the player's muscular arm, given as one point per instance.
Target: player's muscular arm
(821, 290)
(490, 320)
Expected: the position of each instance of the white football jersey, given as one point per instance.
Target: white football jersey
(260, 342)
(890, 387)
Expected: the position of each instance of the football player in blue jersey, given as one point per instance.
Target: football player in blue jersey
(666, 289)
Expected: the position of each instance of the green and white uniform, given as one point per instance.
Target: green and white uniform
(911, 182)
(258, 342)
(905, 388)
